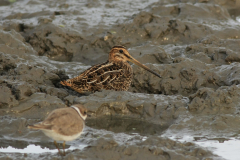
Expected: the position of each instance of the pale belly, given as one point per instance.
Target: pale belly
(58, 137)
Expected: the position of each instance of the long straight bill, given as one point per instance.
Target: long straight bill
(131, 59)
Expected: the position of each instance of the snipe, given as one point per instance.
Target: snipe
(115, 74)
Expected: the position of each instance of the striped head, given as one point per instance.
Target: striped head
(82, 111)
(120, 53)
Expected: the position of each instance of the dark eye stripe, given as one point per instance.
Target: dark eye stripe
(126, 55)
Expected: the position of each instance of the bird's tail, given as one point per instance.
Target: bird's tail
(31, 127)
(35, 126)
(65, 83)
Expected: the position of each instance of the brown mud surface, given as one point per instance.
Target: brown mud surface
(194, 45)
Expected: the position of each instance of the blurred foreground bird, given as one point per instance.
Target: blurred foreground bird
(115, 74)
(64, 124)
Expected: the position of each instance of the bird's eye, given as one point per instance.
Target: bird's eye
(84, 112)
(121, 51)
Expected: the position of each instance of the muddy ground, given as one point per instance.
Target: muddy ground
(194, 45)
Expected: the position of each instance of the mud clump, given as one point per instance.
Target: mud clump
(45, 42)
(21, 76)
(62, 45)
(159, 109)
(143, 150)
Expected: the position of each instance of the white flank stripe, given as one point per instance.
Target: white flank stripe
(106, 65)
(112, 71)
(92, 81)
(104, 80)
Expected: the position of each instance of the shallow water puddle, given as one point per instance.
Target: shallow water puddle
(228, 149)
(36, 149)
(225, 148)
(126, 125)
(238, 18)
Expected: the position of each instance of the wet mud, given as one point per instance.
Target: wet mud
(194, 45)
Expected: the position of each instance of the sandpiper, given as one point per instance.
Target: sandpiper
(64, 124)
(115, 74)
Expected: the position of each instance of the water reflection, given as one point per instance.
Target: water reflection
(36, 149)
(126, 125)
(227, 148)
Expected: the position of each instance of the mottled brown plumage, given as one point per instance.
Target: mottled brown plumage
(115, 74)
